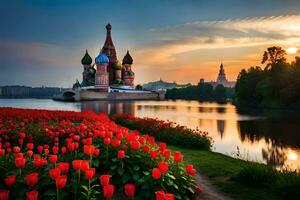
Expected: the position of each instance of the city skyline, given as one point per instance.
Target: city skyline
(42, 42)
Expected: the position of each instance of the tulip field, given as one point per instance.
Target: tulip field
(82, 155)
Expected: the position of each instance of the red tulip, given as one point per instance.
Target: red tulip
(106, 141)
(30, 146)
(22, 135)
(134, 145)
(64, 167)
(55, 150)
(160, 195)
(121, 154)
(169, 196)
(32, 195)
(146, 148)
(16, 149)
(163, 167)
(89, 149)
(76, 164)
(53, 158)
(129, 190)
(167, 153)
(178, 157)
(2, 152)
(54, 173)
(29, 153)
(60, 182)
(162, 146)
(115, 143)
(10, 180)
(190, 170)
(20, 162)
(97, 152)
(64, 150)
(31, 179)
(46, 151)
(104, 179)
(89, 173)
(40, 148)
(108, 191)
(153, 154)
(156, 173)
(198, 189)
(4, 194)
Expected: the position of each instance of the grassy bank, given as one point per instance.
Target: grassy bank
(240, 179)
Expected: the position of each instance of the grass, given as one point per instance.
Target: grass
(224, 172)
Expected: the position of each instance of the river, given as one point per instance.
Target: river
(268, 136)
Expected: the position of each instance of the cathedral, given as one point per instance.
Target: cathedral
(221, 79)
(107, 71)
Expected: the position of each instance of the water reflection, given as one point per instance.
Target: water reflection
(264, 136)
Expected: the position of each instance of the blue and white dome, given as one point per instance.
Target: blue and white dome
(101, 59)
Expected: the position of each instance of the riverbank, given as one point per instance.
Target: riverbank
(223, 172)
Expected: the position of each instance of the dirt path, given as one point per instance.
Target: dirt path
(209, 192)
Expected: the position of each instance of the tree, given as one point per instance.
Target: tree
(220, 93)
(273, 55)
(138, 87)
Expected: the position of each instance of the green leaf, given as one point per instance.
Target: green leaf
(191, 190)
(50, 193)
(136, 168)
(136, 177)
(146, 173)
(96, 163)
(120, 171)
(85, 187)
(113, 167)
(125, 178)
(171, 176)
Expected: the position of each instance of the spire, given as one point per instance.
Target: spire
(127, 59)
(108, 47)
(221, 75)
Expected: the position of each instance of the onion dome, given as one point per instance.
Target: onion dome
(118, 65)
(101, 59)
(86, 60)
(127, 59)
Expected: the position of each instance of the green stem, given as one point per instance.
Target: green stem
(20, 172)
(57, 194)
(89, 192)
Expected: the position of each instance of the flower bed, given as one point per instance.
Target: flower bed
(166, 131)
(61, 154)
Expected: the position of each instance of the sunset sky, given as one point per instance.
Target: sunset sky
(42, 42)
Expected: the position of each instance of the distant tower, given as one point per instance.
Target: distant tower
(221, 76)
(102, 76)
(128, 74)
(110, 50)
(88, 73)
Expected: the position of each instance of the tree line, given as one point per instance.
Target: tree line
(275, 85)
(202, 91)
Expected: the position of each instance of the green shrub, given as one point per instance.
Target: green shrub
(166, 131)
(286, 184)
(257, 175)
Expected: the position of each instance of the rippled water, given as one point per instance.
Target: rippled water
(271, 137)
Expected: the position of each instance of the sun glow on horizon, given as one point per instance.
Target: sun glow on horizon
(292, 50)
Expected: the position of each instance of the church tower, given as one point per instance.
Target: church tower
(110, 51)
(128, 74)
(221, 76)
(102, 76)
(88, 74)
